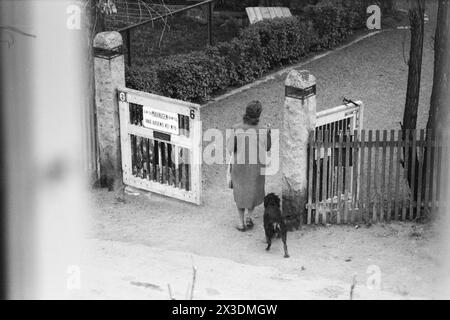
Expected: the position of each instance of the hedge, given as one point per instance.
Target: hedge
(258, 49)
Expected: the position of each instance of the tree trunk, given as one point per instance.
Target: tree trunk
(439, 116)
(416, 18)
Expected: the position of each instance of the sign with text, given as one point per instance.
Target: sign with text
(160, 120)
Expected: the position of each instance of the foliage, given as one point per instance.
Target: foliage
(259, 48)
(333, 24)
(178, 34)
(143, 79)
(235, 5)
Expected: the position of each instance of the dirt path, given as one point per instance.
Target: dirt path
(373, 71)
(406, 253)
(117, 270)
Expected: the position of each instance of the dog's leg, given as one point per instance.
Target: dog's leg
(268, 239)
(284, 238)
(278, 234)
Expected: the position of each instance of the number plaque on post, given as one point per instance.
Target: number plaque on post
(300, 93)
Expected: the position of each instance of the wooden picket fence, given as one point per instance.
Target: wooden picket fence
(373, 175)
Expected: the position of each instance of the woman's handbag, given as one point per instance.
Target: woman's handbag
(229, 180)
(229, 165)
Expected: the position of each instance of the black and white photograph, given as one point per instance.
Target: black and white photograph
(248, 151)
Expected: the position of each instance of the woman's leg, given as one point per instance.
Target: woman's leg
(241, 213)
(249, 221)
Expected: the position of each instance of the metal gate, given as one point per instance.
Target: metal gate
(161, 144)
(334, 127)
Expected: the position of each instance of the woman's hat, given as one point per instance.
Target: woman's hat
(253, 109)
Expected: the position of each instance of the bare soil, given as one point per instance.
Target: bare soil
(406, 253)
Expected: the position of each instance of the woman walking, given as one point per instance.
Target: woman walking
(248, 146)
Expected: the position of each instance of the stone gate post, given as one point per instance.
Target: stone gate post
(299, 118)
(109, 68)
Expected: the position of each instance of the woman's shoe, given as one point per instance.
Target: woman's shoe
(249, 223)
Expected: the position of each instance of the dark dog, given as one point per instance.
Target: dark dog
(273, 221)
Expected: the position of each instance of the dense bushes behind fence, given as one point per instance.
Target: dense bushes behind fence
(258, 49)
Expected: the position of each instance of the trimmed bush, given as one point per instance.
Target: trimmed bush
(193, 76)
(333, 24)
(281, 40)
(261, 47)
(143, 79)
(330, 27)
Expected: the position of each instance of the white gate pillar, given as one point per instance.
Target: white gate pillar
(109, 75)
(299, 118)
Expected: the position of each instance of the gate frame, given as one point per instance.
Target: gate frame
(193, 142)
(328, 116)
(323, 117)
(342, 112)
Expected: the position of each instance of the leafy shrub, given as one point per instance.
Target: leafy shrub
(281, 40)
(244, 60)
(142, 78)
(193, 76)
(258, 49)
(357, 9)
(332, 25)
